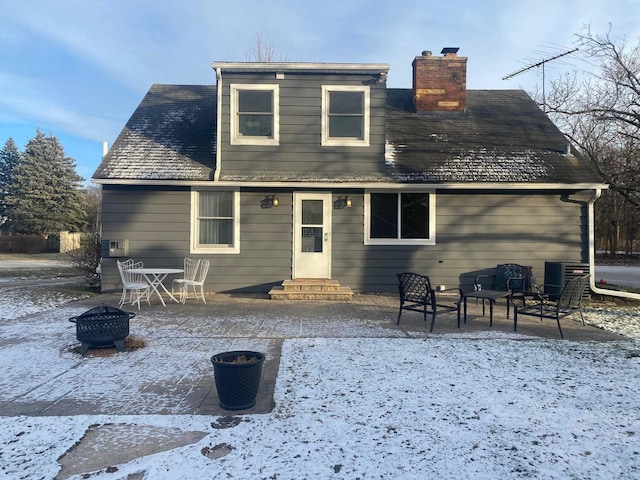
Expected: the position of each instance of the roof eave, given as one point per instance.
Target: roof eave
(358, 185)
(365, 68)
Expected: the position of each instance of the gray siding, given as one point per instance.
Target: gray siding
(156, 221)
(474, 232)
(300, 146)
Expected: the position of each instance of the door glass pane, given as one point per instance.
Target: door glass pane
(312, 239)
(312, 212)
(415, 215)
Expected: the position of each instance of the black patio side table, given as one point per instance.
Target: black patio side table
(492, 296)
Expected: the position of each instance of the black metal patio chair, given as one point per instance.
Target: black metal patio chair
(417, 295)
(509, 277)
(568, 303)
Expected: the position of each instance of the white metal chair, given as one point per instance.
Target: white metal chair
(190, 270)
(197, 283)
(133, 283)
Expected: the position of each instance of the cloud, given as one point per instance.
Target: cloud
(103, 55)
(23, 103)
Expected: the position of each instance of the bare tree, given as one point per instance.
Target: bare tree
(263, 51)
(599, 111)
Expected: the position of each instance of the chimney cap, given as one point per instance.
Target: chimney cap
(449, 50)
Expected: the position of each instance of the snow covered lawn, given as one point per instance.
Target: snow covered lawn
(489, 407)
(483, 406)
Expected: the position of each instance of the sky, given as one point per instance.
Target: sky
(77, 69)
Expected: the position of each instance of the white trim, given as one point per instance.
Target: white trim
(194, 232)
(318, 265)
(345, 141)
(235, 138)
(218, 167)
(366, 68)
(400, 241)
(592, 255)
(363, 185)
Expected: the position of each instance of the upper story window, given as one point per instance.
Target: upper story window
(215, 222)
(345, 115)
(393, 218)
(255, 114)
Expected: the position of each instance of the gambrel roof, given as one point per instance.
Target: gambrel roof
(501, 137)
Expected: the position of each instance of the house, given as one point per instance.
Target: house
(287, 171)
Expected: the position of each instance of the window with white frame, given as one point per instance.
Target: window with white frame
(345, 115)
(400, 218)
(215, 222)
(255, 114)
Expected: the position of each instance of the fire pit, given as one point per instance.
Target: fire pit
(102, 326)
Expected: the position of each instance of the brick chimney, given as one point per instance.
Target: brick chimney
(440, 83)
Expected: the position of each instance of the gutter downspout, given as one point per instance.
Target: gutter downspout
(592, 254)
(216, 172)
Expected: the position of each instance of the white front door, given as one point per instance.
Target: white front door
(312, 235)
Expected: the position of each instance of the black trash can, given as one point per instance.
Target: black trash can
(102, 326)
(237, 377)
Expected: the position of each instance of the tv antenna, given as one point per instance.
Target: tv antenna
(541, 63)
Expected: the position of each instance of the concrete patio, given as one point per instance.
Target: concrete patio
(172, 374)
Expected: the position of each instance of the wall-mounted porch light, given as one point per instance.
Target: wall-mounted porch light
(343, 201)
(269, 201)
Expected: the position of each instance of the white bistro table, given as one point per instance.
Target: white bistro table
(155, 277)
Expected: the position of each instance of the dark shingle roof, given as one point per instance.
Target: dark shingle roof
(170, 136)
(501, 137)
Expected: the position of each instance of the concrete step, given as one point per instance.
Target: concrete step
(311, 284)
(335, 293)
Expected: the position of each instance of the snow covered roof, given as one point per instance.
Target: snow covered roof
(501, 137)
(170, 136)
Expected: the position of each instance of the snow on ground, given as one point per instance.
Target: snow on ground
(482, 406)
(28, 299)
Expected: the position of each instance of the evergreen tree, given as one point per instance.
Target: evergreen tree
(44, 193)
(9, 158)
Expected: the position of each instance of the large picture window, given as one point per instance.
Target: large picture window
(400, 218)
(255, 115)
(345, 115)
(215, 222)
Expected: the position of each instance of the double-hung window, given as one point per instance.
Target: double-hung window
(394, 218)
(255, 114)
(215, 223)
(345, 115)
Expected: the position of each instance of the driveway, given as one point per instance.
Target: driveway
(28, 263)
(623, 275)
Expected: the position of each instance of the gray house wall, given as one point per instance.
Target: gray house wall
(156, 223)
(474, 232)
(300, 148)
